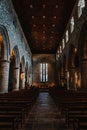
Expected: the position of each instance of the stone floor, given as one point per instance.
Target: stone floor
(45, 115)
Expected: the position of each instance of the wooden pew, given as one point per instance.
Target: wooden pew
(8, 121)
(80, 122)
(73, 105)
(15, 111)
(72, 112)
(16, 105)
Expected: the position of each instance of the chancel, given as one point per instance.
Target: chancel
(43, 65)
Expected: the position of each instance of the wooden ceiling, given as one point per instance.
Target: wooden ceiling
(43, 22)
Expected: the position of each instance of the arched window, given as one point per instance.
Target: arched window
(72, 24)
(43, 72)
(81, 5)
(67, 36)
(63, 43)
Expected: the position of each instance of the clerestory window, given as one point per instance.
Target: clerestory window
(81, 5)
(63, 44)
(72, 24)
(67, 36)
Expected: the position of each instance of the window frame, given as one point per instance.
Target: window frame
(43, 72)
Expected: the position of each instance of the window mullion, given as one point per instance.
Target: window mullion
(42, 72)
(45, 72)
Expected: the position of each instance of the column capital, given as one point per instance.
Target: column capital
(22, 72)
(83, 59)
(16, 68)
(72, 67)
(2, 60)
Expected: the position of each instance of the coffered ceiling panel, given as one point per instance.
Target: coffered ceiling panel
(43, 22)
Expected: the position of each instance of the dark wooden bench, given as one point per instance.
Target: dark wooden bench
(8, 121)
(16, 106)
(73, 112)
(73, 105)
(13, 110)
(80, 122)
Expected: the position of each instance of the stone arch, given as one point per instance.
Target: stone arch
(26, 75)
(17, 56)
(57, 77)
(22, 73)
(73, 56)
(60, 72)
(4, 59)
(14, 69)
(6, 42)
(22, 63)
(74, 72)
(82, 45)
(64, 62)
(65, 70)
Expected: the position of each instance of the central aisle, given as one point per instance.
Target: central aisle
(44, 115)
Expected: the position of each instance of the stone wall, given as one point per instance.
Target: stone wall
(47, 58)
(13, 39)
(70, 62)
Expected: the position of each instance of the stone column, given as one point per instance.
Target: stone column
(67, 79)
(16, 79)
(84, 74)
(72, 78)
(4, 74)
(58, 79)
(22, 80)
(62, 77)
